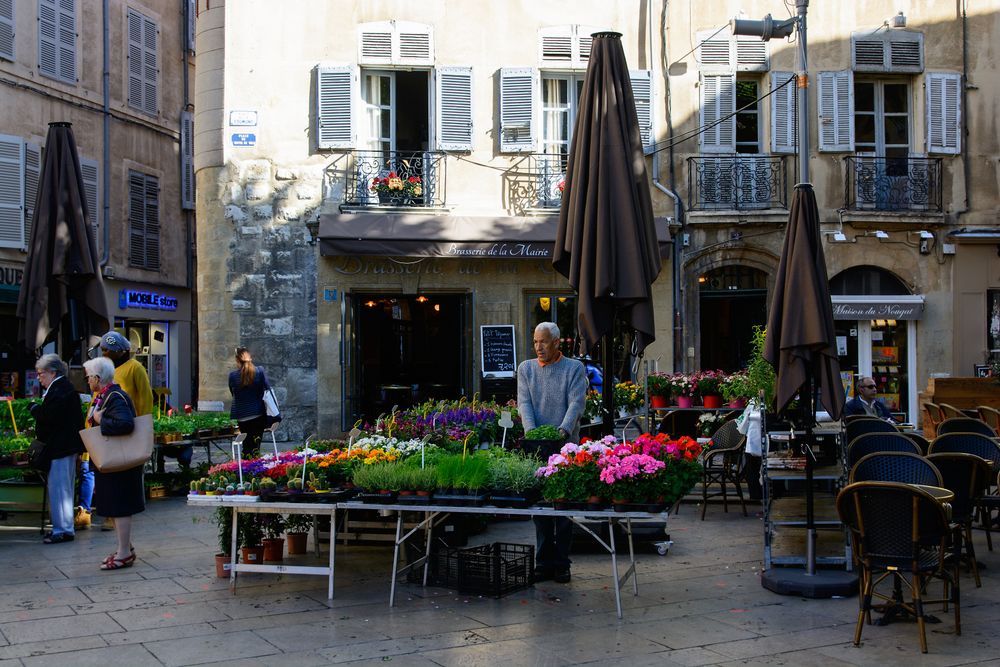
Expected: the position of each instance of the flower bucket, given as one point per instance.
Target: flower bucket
(685, 401)
(658, 402)
(274, 548)
(296, 543)
(739, 403)
(222, 566)
(713, 401)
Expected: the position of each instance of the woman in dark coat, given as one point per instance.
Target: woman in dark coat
(117, 494)
(58, 420)
(247, 385)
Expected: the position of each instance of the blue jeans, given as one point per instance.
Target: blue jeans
(62, 485)
(553, 539)
(86, 485)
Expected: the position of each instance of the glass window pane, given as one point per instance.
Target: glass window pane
(864, 129)
(385, 97)
(864, 96)
(746, 128)
(746, 94)
(386, 123)
(896, 98)
(896, 131)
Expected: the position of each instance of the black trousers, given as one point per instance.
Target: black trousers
(254, 429)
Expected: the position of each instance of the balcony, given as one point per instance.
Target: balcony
(737, 182)
(359, 169)
(532, 183)
(892, 184)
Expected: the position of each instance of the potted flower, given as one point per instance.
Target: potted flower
(570, 477)
(682, 388)
(297, 532)
(249, 536)
(709, 387)
(223, 559)
(274, 544)
(660, 388)
(514, 481)
(542, 440)
(396, 189)
(628, 398)
(593, 407)
(736, 389)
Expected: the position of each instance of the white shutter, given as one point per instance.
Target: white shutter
(555, 45)
(944, 112)
(751, 53)
(395, 43)
(11, 192)
(642, 90)
(192, 14)
(836, 111)
(718, 102)
(335, 91)
(135, 55)
(582, 42)
(454, 104)
(187, 160)
(48, 51)
(715, 53)
(783, 121)
(898, 51)
(152, 223)
(91, 170)
(414, 44)
(32, 172)
(518, 88)
(150, 66)
(7, 29)
(66, 40)
(375, 43)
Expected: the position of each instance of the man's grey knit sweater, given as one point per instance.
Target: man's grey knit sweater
(552, 395)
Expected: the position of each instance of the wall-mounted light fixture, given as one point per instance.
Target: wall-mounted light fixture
(898, 21)
(839, 237)
(879, 234)
(924, 234)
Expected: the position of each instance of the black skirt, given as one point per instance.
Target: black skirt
(119, 493)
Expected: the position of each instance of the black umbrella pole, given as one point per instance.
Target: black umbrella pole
(608, 383)
(810, 416)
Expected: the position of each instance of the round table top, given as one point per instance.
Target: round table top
(939, 493)
(395, 387)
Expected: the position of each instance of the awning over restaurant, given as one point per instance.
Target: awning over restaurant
(415, 235)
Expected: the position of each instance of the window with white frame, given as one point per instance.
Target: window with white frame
(144, 220)
(882, 117)
(57, 39)
(7, 29)
(748, 130)
(560, 102)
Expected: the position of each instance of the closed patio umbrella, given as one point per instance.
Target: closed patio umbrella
(62, 291)
(606, 244)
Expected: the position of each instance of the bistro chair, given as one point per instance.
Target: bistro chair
(983, 447)
(933, 417)
(965, 425)
(920, 441)
(872, 443)
(949, 411)
(723, 464)
(991, 416)
(865, 425)
(901, 533)
(905, 467)
(967, 476)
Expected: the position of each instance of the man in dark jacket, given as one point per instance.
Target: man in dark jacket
(865, 403)
(58, 420)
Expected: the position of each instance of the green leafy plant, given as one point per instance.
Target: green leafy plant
(249, 531)
(544, 432)
(224, 519)
(760, 373)
(659, 384)
(273, 525)
(377, 476)
(298, 523)
(514, 473)
(737, 385)
(475, 474)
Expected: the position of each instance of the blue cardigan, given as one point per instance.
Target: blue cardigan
(248, 402)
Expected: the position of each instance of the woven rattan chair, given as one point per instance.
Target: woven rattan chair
(901, 533)
(867, 424)
(983, 447)
(905, 467)
(965, 425)
(967, 476)
(949, 411)
(923, 443)
(723, 464)
(872, 443)
(991, 416)
(932, 416)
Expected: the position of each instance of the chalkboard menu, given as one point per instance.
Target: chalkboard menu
(499, 358)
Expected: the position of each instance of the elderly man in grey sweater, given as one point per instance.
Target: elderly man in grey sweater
(551, 390)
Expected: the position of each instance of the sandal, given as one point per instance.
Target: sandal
(111, 556)
(113, 563)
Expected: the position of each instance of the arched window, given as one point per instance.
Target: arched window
(866, 280)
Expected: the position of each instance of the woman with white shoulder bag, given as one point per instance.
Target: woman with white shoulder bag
(750, 425)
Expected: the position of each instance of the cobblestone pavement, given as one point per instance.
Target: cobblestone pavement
(702, 604)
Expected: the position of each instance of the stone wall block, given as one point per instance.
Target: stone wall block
(300, 387)
(279, 326)
(251, 230)
(284, 175)
(235, 213)
(257, 191)
(255, 170)
(263, 212)
(287, 213)
(242, 304)
(306, 192)
(269, 307)
(284, 261)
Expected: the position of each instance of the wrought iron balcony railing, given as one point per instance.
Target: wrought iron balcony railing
(892, 184)
(401, 178)
(534, 182)
(737, 182)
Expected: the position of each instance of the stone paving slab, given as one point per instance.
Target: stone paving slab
(702, 604)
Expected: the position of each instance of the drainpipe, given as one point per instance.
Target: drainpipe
(966, 171)
(106, 159)
(678, 306)
(186, 45)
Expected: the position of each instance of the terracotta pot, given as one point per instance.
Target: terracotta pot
(297, 543)
(685, 401)
(713, 401)
(253, 555)
(274, 548)
(222, 562)
(423, 494)
(658, 402)
(406, 493)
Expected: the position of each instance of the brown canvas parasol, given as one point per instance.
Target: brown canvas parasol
(62, 289)
(801, 341)
(606, 243)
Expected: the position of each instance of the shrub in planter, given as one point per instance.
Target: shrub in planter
(297, 528)
(572, 474)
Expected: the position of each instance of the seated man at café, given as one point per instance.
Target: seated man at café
(865, 403)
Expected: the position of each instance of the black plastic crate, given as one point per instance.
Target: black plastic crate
(491, 569)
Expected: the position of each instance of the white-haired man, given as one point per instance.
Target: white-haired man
(551, 390)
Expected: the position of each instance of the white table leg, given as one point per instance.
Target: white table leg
(631, 557)
(333, 545)
(614, 567)
(233, 553)
(395, 558)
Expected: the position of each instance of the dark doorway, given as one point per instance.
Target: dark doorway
(408, 349)
(733, 299)
(411, 112)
